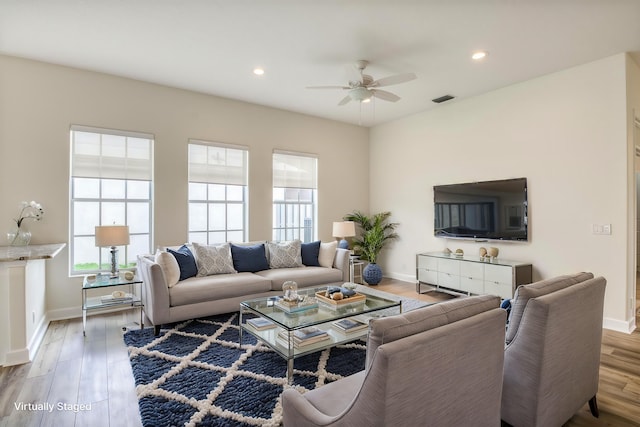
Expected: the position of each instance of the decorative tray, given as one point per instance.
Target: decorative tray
(355, 298)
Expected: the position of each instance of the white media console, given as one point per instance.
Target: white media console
(471, 275)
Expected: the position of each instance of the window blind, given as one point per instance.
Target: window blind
(295, 170)
(98, 153)
(217, 163)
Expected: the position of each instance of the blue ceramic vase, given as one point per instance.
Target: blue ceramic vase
(372, 274)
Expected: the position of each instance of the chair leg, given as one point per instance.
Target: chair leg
(156, 331)
(593, 407)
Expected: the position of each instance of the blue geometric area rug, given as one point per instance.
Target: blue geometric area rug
(196, 374)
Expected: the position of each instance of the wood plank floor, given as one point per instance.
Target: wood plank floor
(92, 375)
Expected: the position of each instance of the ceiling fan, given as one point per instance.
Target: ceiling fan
(366, 88)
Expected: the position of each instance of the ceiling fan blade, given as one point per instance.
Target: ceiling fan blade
(328, 87)
(345, 100)
(393, 80)
(383, 94)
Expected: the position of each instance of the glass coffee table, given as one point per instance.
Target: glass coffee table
(281, 326)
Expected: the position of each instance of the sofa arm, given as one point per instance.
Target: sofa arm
(341, 262)
(155, 292)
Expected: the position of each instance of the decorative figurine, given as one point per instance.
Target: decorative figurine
(493, 252)
(290, 289)
(483, 252)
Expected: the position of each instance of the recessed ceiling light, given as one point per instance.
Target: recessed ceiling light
(478, 55)
(258, 71)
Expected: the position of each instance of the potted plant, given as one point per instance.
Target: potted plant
(375, 233)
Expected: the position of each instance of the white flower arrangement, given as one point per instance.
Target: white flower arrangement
(29, 210)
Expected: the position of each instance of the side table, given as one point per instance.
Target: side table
(355, 270)
(127, 298)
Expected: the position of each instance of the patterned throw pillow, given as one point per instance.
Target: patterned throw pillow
(213, 259)
(285, 254)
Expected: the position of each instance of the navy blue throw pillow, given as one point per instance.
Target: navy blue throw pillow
(186, 262)
(249, 259)
(310, 252)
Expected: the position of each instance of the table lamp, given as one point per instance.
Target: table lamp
(344, 229)
(112, 235)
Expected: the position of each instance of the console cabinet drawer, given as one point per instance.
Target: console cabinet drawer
(471, 285)
(449, 266)
(473, 270)
(503, 290)
(448, 280)
(428, 276)
(428, 263)
(498, 274)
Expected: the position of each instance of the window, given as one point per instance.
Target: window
(111, 183)
(294, 196)
(217, 192)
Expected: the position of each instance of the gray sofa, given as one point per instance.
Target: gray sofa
(222, 293)
(435, 366)
(552, 359)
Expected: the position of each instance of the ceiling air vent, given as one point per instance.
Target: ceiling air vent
(443, 99)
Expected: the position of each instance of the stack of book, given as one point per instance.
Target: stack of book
(260, 323)
(303, 337)
(110, 299)
(347, 326)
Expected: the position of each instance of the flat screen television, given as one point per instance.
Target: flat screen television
(489, 210)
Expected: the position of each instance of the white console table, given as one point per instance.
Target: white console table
(22, 300)
(471, 275)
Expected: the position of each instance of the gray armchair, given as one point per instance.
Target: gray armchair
(439, 366)
(552, 360)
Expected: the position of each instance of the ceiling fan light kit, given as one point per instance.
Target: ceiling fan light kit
(360, 94)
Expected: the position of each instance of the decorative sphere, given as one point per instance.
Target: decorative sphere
(493, 252)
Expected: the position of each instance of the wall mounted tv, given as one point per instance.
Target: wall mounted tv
(489, 210)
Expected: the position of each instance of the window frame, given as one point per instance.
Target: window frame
(103, 254)
(285, 229)
(194, 235)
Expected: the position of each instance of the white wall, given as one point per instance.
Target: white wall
(565, 132)
(39, 102)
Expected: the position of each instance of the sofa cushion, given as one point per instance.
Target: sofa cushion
(392, 328)
(249, 258)
(310, 253)
(186, 261)
(525, 292)
(284, 254)
(327, 254)
(220, 286)
(169, 267)
(304, 276)
(213, 259)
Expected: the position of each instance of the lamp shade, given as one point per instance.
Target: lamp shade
(112, 235)
(344, 229)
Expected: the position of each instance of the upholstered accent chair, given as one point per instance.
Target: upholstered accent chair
(438, 366)
(552, 358)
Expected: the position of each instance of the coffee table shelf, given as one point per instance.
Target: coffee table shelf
(320, 317)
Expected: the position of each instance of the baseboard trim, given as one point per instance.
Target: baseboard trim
(17, 357)
(619, 325)
(402, 277)
(64, 313)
